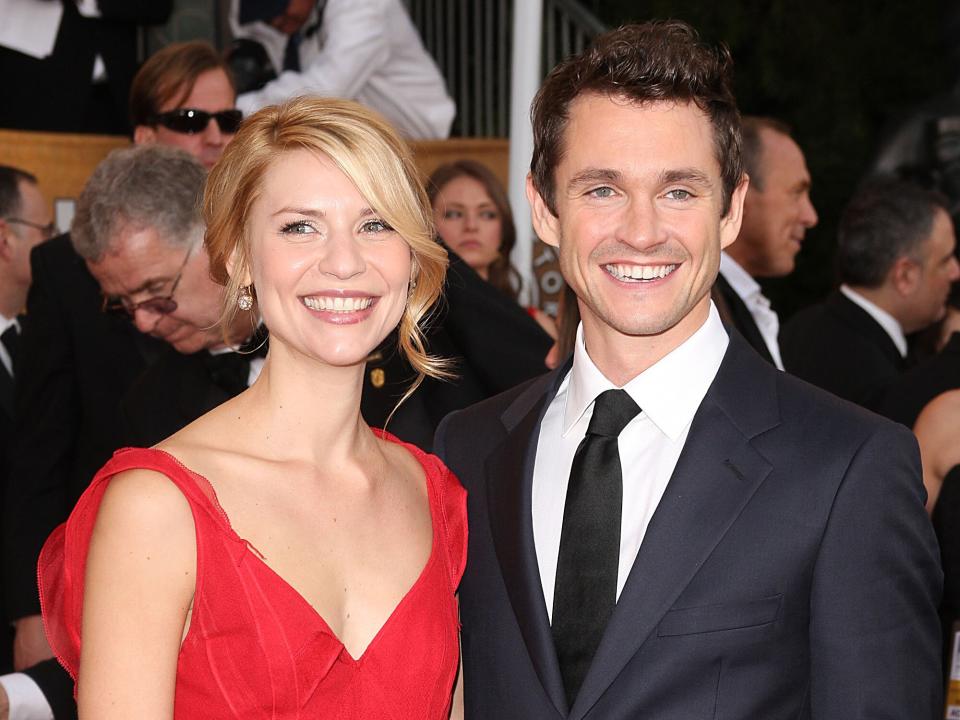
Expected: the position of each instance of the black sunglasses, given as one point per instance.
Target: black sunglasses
(190, 121)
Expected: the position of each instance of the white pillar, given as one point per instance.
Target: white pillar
(526, 75)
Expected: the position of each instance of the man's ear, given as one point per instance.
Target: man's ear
(6, 248)
(731, 222)
(905, 276)
(545, 223)
(144, 135)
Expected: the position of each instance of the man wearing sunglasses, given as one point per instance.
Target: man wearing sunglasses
(78, 362)
(184, 97)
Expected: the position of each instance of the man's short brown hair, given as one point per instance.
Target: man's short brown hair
(652, 62)
(753, 126)
(171, 74)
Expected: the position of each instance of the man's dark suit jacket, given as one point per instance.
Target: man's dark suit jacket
(7, 425)
(57, 93)
(789, 571)
(915, 388)
(735, 312)
(837, 346)
(73, 367)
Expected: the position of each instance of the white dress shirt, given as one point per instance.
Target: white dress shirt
(668, 393)
(757, 303)
(5, 358)
(884, 319)
(365, 50)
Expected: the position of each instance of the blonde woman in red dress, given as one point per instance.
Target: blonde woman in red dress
(278, 558)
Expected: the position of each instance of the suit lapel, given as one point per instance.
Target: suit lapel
(717, 474)
(509, 494)
(6, 391)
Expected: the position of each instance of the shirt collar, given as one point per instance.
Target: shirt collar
(669, 392)
(740, 280)
(884, 319)
(6, 322)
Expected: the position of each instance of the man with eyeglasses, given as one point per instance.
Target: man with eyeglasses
(78, 362)
(24, 222)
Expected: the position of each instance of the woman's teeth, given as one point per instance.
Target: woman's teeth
(338, 304)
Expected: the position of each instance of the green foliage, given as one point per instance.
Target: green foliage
(840, 73)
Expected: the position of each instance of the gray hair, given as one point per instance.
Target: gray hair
(147, 186)
(884, 221)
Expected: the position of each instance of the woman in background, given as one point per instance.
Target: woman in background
(277, 558)
(473, 218)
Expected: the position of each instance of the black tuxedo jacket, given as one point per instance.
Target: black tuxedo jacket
(169, 395)
(735, 312)
(910, 392)
(837, 346)
(74, 365)
(56, 93)
(6, 430)
(789, 571)
(493, 343)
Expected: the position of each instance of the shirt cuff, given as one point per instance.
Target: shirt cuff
(27, 701)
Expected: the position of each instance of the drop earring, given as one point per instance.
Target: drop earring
(244, 298)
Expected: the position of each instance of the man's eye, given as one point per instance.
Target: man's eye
(375, 226)
(299, 227)
(602, 192)
(679, 194)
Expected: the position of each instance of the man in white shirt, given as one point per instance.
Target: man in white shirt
(777, 212)
(667, 526)
(895, 256)
(363, 50)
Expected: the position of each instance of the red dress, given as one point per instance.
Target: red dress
(255, 648)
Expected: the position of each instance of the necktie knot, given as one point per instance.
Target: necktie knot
(612, 412)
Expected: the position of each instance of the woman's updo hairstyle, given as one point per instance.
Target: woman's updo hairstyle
(369, 152)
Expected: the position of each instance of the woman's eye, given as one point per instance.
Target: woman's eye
(679, 194)
(489, 215)
(375, 226)
(602, 192)
(452, 215)
(299, 227)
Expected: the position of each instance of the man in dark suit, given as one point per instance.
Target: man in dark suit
(667, 527)
(895, 259)
(25, 222)
(777, 212)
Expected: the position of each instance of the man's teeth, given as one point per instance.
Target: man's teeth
(640, 272)
(338, 304)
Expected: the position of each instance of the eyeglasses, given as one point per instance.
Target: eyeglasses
(160, 305)
(48, 230)
(190, 121)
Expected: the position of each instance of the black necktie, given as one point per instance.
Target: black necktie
(10, 339)
(586, 587)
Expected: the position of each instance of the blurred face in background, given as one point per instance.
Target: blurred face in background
(469, 222)
(775, 218)
(212, 93)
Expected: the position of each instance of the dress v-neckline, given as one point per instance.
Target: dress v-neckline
(261, 559)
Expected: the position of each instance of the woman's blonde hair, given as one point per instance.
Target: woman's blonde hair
(369, 152)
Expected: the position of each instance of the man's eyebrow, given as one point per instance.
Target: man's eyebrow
(146, 285)
(593, 175)
(685, 175)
